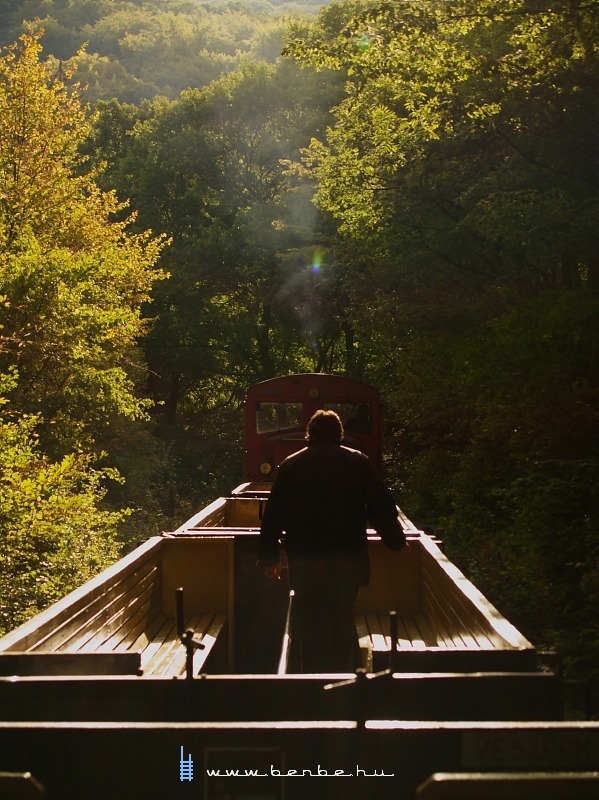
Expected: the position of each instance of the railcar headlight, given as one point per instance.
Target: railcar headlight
(265, 468)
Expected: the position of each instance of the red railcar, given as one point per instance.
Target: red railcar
(278, 410)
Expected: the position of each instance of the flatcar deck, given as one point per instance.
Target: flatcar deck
(444, 622)
(164, 656)
(412, 632)
(129, 609)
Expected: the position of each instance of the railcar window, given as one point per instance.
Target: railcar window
(272, 417)
(356, 417)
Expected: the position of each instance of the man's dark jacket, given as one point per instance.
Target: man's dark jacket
(323, 498)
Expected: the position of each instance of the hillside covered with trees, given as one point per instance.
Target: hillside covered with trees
(436, 159)
(134, 50)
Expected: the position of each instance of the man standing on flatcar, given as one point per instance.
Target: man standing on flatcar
(323, 499)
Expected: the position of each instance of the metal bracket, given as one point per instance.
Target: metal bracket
(187, 637)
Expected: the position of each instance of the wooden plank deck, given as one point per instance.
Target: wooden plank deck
(443, 621)
(166, 656)
(115, 625)
(412, 633)
(148, 650)
(425, 646)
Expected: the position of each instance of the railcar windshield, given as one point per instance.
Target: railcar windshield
(273, 417)
(356, 417)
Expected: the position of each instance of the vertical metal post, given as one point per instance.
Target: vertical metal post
(393, 634)
(187, 638)
(180, 614)
(189, 651)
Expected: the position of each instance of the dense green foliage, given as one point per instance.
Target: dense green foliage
(409, 196)
(137, 49)
(54, 533)
(71, 288)
(209, 171)
(462, 169)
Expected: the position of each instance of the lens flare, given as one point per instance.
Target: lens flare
(316, 261)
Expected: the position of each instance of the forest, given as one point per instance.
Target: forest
(170, 174)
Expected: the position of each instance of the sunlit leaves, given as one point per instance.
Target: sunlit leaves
(41, 126)
(461, 169)
(499, 92)
(147, 48)
(53, 532)
(74, 278)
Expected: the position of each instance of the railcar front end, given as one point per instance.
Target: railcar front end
(277, 412)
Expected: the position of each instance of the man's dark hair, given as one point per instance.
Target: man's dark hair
(325, 427)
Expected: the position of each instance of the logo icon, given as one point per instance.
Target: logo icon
(185, 767)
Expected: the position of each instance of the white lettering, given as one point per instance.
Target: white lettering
(319, 772)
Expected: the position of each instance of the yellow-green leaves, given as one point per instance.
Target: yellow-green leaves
(73, 276)
(73, 279)
(53, 532)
